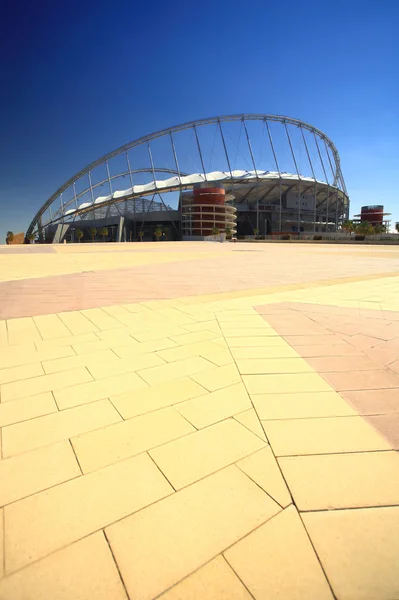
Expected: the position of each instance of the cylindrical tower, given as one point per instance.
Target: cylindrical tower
(205, 209)
(372, 214)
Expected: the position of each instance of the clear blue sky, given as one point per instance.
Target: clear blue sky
(78, 79)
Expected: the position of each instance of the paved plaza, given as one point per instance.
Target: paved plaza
(199, 421)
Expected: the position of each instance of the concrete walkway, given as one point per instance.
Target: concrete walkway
(199, 421)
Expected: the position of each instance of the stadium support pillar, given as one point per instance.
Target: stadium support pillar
(119, 232)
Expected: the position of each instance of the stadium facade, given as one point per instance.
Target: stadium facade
(242, 173)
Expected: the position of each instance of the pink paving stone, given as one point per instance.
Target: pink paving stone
(388, 425)
(362, 380)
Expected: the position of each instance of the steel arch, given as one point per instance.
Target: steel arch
(192, 125)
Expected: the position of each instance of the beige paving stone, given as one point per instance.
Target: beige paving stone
(1, 543)
(253, 342)
(197, 455)
(98, 390)
(257, 352)
(175, 370)
(51, 326)
(79, 360)
(250, 420)
(220, 358)
(83, 338)
(359, 550)
(73, 510)
(132, 404)
(215, 406)
(342, 480)
(301, 405)
(31, 472)
(44, 383)
(77, 323)
(57, 426)
(160, 545)
(246, 322)
(263, 468)
(291, 437)
(26, 408)
(116, 442)
(82, 571)
(189, 350)
(3, 335)
(127, 350)
(25, 354)
(125, 365)
(215, 580)
(218, 378)
(260, 366)
(116, 337)
(197, 336)
(299, 382)
(277, 561)
(20, 373)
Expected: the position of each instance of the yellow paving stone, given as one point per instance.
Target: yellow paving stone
(204, 325)
(342, 480)
(31, 472)
(257, 352)
(277, 561)
(220, 342)
(189, 350)
(1, 543)
(21, 372)
(72, 510)
(27, 408)
(197, 336)
(3, 335)
(253, 342)
(43, 383)
(57, 426)
(215, 580)
(233, 316)
(124, 365)
(124, 350)
(91, 347)
(301, 405)
(260, 366)
(299, 382)
(116, 442)
(160, 545)
(250, 420)
(255, 322)
(98, 390)
(175, 370)
(116, 337)
(197, 455)
(291, 437)
(218, 378)
(76, 322)
(220, 358)
(263, 468)
(83, 338)
(245, 332)
(82, 571)
(101, 319)
(79, 360)
(158, 333)
(359, 550)
(36, 356)
(215, 406)
(22, 331)
(133, 404)
(51, 326)
(115, 311)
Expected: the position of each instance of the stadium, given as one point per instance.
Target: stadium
(242, 175)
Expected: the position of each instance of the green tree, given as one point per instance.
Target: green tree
(348, 226)
(9, 237)
(378, 229)
(158, 232)
(79, 234)
(256, 231)
(365, 228)
(215, 231)
(141, 235)
(93, 233)
(228, 233)
(103, 232)
(397, 226)
(31, 237)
